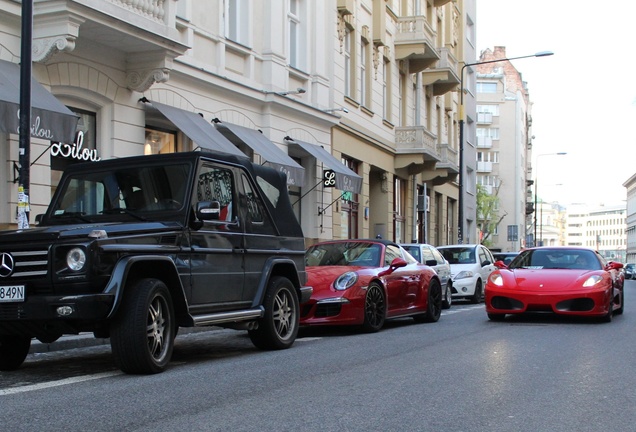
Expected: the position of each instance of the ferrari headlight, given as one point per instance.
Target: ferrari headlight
(464, 274)
(345, 280)
(592, 280)
(496, 279)
(76, 259)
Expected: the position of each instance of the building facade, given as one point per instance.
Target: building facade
(630, 219)
(380, 95)
(503, 149)
(602, 228)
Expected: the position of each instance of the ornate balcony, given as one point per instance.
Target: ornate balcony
(415, 43)
(144, 32)
(443, 75)
(415, 149)
(447, 169)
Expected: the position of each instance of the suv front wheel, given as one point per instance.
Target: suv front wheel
(279, 327)
(142, 334)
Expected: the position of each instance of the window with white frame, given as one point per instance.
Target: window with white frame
(491, 109)
(237, 21)
(486, 87)
(297, 34)
(488, 132)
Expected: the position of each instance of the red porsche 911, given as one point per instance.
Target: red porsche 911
(561, 280)
(365, 282)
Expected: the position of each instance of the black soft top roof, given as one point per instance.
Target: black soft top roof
(281, 211)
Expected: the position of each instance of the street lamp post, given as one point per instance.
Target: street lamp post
(536, 187)
(460, 211)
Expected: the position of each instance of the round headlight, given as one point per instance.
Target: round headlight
(345, 280)
(76, 259)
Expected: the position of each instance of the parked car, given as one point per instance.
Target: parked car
(630, 271)
(506, 257)
(471, 264)
(561, 280)
(133, 248)
(365, 282)
(429, 255)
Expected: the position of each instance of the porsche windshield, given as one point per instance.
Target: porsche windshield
(133, 191)
(344, 254)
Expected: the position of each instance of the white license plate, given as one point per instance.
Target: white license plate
(13, 293)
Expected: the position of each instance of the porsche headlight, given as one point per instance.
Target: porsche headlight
(76, 259)
(464, 274)
(592, 280)
(496, 279)
(345, 280)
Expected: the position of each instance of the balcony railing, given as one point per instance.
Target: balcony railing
(484, 118)
(484, 142)
(415, 42)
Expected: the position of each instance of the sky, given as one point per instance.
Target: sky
(584, 96)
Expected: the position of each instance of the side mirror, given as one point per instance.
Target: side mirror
(500, 265)
(395, 264)
(613, 265)
(431, 263)
(208, 210)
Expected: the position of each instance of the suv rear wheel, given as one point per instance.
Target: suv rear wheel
(279, 327)
(142, 334)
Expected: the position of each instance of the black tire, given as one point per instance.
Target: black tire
(607, 318)
(13, 351)
(433, 304)
(279, 327)
(619, 311)
(142, 334)
(476, 297)
(496, 317)
(448, 297)
(374, 308)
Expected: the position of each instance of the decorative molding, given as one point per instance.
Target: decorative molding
(142, 80)
(44, 48)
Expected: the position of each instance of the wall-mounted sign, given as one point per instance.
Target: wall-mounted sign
(75, 150)
(329, 178)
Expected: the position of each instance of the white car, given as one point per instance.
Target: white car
(427, 254)
(471, 264)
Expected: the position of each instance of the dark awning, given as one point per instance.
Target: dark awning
(197, 129)
(346, 179)
(267, 149)
(50, 118)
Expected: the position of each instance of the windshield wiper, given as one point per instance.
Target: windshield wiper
(72, 215)
(120, 210)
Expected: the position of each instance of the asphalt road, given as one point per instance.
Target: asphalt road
(464, 373)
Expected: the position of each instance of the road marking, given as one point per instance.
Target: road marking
(58, 383)
(454, 310)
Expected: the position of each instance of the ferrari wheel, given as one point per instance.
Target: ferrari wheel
(13, 351)
(476, 297)
(619, 311)
(374, 308)
(610, 311)
(448, 297)
(496, 317)
(433, 304)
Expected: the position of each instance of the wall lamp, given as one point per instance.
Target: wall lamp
(331, 110)
(299, 90)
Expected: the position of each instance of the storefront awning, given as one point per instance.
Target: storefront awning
(50, 118)
(346, 179)
(197, 129)
(258, 142)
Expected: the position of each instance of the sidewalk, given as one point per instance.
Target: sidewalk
(85, 340)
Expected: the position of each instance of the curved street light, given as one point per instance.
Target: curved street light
(460, 212)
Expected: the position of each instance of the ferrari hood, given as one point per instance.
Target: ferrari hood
(531, 279)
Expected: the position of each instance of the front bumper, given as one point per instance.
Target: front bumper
(581, 302)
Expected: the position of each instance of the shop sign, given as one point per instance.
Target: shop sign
(75, 150)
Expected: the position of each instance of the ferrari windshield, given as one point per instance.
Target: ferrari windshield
(561, 258)
(132, 191)
(344, 254)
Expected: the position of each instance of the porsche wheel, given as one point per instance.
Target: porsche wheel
(433, 304)
(496, 317)
(476, 297)
(448, 297)
(142, 334)
(279, 327)
(374, 308)
(13, 351)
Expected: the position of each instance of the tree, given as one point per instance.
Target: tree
(488, 212)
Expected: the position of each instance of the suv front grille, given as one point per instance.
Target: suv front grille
(28, 264)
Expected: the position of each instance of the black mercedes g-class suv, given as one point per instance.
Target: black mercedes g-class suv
(134, 248)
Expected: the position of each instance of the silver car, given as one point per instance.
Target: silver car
(429, 255)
